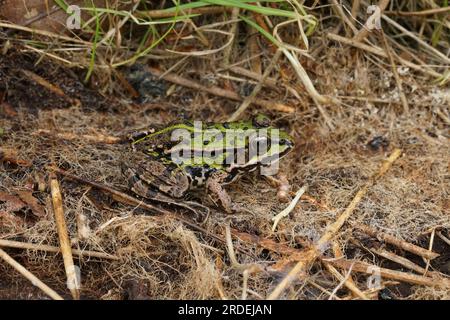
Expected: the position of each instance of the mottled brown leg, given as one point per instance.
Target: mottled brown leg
(214, 185)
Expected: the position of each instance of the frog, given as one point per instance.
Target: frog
(190, 155)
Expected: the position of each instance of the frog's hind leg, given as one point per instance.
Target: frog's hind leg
(138, 186)
(214, 185)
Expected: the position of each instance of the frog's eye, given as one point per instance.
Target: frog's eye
(259, 145)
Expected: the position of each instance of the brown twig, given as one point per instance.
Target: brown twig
(43, 247)
(396, 242)
(379, 52)
(368, 268)
(340, 12)
(64, 241)
(418, 13)
(313, 253)
(364, 32)
(27, 274)
(349, 283)
(443, 238)
(252, 97)
(397, 78)
(50, 86)
(98, 138)
(400, 260)
(189, 83)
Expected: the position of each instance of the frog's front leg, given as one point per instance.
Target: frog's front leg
(214, 184)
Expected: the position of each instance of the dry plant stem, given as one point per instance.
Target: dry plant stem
(270, 82)
(313, 253)
(98, 138)
(443, 116)
(284, 213)
(368, 268)
(64, 240)
(50, 86)
(27, 274)
(43, 247)
(346, 281)
(364, 32)
(355, 9)
(349, 283)
(44, 33)
(396, 242)
(443, 238)
(426, 46)
(338, 8)
(419, 13)
(379, 52)
(268, 244)
(166, 14)
(248, 100)
(227, 51)
(341, 283)
(400, 260)
(189, 83)
(394, 71)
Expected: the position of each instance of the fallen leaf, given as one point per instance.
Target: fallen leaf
(32, 202)
(11, 203)
(8, 205)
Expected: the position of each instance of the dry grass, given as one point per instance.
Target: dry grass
(335, 154)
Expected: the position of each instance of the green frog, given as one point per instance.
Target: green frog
(184, 156)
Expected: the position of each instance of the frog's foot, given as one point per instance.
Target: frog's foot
(214, 186)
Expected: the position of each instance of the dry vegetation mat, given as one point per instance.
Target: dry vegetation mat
(359, 210)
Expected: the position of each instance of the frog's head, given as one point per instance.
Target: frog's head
(279, 142)
(273, 144)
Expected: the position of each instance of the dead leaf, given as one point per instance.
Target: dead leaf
(11, 203)
(8, 205)
(8, 110)
(32, 202)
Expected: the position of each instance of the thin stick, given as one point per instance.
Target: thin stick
(248, 100)
(418, 13)
(189, 83)
(338, 8)
(364, 32)
(443, 238)
(368, 268)
(99, 138)
(313, 253)
(400, 260)
(43, 247)
(397, 78)
(355, 9)
(379, 52)
(426, 46)
(64, 241)
(270, 82)
(168, 14)
(27, 274)
(396, 242)
(233, 32)
(349, 283)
